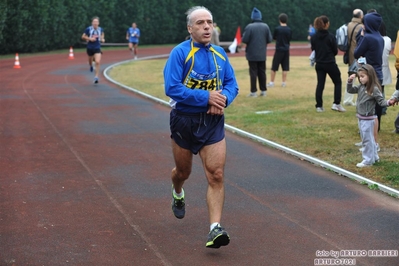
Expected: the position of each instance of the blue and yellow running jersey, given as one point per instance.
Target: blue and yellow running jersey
(192, 70)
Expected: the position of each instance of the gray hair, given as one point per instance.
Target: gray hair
(357, 13)
(192, 9)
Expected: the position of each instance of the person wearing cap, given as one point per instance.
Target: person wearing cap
(256, 36)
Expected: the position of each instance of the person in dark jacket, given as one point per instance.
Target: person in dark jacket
(283, 35)
(325, 46)
(256, 36)
(370, 44)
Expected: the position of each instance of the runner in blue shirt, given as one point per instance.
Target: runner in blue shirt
(200, 81)
(133, 35)
(94, 36)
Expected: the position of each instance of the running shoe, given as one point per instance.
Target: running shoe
(217, 237)
(337, 107)
(359, 144)
(362, 164)
(178, 206)
(91, 68)
(350, 103)
(95, 81)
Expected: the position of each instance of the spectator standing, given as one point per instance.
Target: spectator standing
(256, 36)
(369, 94)
(386, 72)
(354, 27)
(324, 44)
(215, 37)
(215, 26)
(370, 45)
(283, 35)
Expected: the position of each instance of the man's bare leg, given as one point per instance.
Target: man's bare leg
(183, 161)
(213, 159)
(272, 76)
(97, 59)
(285, 76)
(181, 172)
(90, 62)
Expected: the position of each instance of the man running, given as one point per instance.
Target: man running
(94, 36)
(200, 82)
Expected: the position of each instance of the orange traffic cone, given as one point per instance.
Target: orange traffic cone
(71, 53)
(16, 64)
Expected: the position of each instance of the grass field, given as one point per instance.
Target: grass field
(292, 120)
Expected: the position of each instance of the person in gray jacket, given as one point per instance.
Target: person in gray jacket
(256, 36)
(368, 95)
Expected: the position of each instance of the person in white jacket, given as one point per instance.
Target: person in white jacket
(386, 72)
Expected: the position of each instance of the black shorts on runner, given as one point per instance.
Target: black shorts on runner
(194, 131)
(281, 58)
(91, 52)
(135, 43)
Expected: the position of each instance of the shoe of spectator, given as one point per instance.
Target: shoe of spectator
(337, 107)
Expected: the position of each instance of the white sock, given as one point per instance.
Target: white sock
(214, 225)
(178, 195)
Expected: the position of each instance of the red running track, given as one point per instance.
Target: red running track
(85, 181)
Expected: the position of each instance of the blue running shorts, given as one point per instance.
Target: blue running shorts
(194, 131)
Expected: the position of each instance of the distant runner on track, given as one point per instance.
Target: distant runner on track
(133, 36)
(94, 36)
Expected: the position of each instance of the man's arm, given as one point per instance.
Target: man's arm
(360, 48)
(269, 37)
(230, 86)
(85, 36)
(334, 45)
(245, 36)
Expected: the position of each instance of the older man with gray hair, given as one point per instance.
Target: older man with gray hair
(201, 83)
(354, 26)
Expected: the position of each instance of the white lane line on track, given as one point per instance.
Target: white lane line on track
(302, 156)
